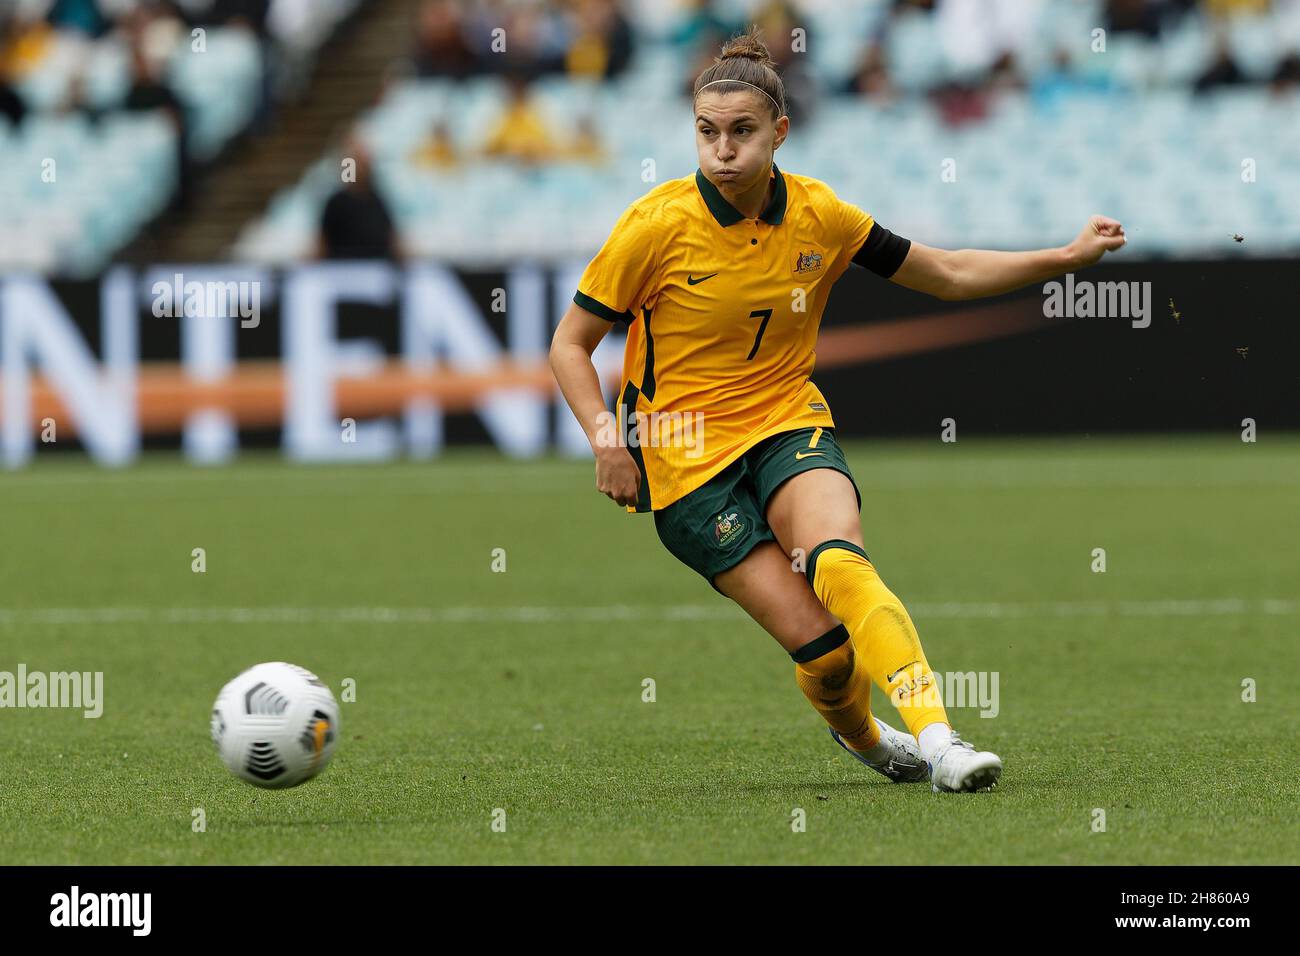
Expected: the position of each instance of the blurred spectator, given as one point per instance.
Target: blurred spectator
(1004, 75)
(517, 40)
(521, 132)
(960, 103)
(976, 36)
(438, 150)
(355, 223)
(155, 28)
(148, 93)
(84, 16)
(602, 41)
(1223, 71)
(1287, 75)
(870, 78)
(777, 20)
(586, 146)
(702, 26)
(1223, 8)
(12, 106)
(77, 102)
(441, 49)
(1134, 16)
(24, 43)
(1063, 80)
(587, 38)
(250, 14)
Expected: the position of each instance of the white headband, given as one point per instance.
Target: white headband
(742, 83)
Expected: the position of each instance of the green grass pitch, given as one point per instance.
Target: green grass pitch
(522, 690)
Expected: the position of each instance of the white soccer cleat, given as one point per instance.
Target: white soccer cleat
(960, 768)
(904, 765)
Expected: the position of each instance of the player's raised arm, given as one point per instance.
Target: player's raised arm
(975, 273)
(576, 337)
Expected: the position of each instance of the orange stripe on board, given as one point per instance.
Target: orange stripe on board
(897, 338)
(254, 393)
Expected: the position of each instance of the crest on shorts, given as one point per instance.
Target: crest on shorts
(727, 528)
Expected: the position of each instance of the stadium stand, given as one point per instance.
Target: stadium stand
(478, 154)
(1030, 80)
(112, 104)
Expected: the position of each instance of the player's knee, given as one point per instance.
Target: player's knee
(827, 680)
(832, 552)
(829, 657)
(837, 678)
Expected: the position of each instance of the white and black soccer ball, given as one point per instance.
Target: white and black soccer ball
(275, 725)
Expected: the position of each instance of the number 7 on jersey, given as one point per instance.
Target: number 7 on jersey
(762, 326)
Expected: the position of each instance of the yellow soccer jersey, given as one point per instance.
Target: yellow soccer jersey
(722, 315)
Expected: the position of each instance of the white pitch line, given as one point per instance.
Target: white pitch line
(617, 612)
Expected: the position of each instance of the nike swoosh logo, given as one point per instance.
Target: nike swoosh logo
(900, 670)
(691, 280)
(801, 455)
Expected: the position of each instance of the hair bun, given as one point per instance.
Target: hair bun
(746, 46)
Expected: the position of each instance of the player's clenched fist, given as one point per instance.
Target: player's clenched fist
(617, 474)
(1100, 236)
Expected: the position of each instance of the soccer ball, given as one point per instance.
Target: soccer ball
(275, 725)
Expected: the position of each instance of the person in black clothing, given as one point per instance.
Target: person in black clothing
(150, 92)
(1287, 75)
(441, 49)
(355, 223)
(12, 106)
(1223, 71)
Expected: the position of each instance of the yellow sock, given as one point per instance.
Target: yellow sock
(828, 672)
(883, 634)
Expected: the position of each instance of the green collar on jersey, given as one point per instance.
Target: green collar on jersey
(729, 215)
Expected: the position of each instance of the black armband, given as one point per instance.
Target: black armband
(883, 252)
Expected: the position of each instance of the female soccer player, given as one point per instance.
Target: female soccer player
(721, 279)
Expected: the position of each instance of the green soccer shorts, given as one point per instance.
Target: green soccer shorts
(716, 525)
